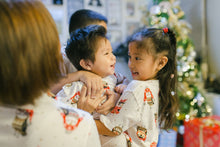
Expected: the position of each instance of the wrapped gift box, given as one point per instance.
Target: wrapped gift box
(167, 139)
(202, 132)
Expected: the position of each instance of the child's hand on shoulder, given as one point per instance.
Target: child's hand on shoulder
(120, 88)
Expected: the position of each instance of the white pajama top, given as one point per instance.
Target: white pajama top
(136, 114)
(71, 92)
(46, 124)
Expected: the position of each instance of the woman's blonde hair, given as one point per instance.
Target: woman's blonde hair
(29, 51)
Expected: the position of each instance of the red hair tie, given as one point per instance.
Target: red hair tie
(165, 30)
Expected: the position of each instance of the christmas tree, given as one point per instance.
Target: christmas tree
(190, 91)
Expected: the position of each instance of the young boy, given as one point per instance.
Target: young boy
(88, 49)
(79, 19)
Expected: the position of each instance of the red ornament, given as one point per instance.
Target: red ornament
(165, 30)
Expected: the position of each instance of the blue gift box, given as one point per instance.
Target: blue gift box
(167, 139)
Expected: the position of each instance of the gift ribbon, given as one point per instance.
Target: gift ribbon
(206, 123)
(201, 136)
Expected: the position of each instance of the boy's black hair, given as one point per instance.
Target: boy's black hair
(83, 43)
(83, 18)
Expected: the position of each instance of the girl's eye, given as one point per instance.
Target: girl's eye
(137, 58)
(106, 53)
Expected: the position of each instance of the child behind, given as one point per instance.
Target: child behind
(89, 49)
(85, 17)
(150, 97)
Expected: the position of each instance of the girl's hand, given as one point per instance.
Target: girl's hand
(87, 103)
(120, 88)
(109, 104)
(92, 81)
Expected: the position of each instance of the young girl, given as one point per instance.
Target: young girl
(149, 102)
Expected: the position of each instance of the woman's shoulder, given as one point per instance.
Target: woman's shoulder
(43, 121)
(63, 123)
(64, 117)
(77, 113)
(52, 108)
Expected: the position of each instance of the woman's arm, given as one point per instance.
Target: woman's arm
(87, 103)
(92, 81)
(109, 104)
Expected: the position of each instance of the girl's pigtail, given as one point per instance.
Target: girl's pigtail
(168, 79)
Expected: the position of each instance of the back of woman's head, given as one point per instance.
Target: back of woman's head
(162, 41)
(29, 54)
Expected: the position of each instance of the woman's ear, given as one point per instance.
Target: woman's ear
(162, 62)
(86, 64)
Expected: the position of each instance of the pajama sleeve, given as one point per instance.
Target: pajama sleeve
(70, 93)
(125, 114)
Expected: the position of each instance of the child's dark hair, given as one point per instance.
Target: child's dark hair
(162, 41)
(83, 43)
(83, 18)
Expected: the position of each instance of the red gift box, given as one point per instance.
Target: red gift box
(202, 132)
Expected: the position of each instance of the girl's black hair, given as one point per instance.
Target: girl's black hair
(162, 41)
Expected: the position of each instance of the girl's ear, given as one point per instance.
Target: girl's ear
(86, 64)
(162, 62)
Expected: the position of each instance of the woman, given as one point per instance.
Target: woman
(29, 63)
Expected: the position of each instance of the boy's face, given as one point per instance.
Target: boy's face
(104, 64)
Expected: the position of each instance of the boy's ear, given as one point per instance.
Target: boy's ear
(162, 62)
(86, 64)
